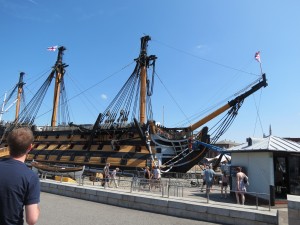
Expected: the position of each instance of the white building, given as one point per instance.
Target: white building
(272, 165)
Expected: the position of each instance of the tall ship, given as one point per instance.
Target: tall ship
(125, 134)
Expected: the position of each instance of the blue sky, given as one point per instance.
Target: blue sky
(205, 53)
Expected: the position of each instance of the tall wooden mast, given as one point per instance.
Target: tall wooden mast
(19, 95)
(143, 77)
(59, 74)
(145, 61)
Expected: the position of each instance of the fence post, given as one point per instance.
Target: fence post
(256, 200)
(207, 195)
(272, 195)
(79, 180)
(131, 186)
(269, 204)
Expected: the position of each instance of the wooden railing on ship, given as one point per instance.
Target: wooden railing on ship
(4, 152)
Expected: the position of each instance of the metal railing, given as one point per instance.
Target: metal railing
(166, 187)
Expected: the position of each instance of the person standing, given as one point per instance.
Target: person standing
(156, 173)
(209, 178)
(147, 176)
(156, 176)
(106, 174)
(19, 185)
(240, 185)
(224, 184)
(113, 177)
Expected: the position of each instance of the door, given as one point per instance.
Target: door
(281, 176)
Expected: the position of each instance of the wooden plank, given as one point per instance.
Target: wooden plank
(79, 159)
(65, 159)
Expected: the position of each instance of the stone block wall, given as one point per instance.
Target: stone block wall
(294, 209)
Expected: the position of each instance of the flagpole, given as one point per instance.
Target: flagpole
(257, 58)
(261, 71)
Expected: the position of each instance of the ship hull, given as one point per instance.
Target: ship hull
(124, 148)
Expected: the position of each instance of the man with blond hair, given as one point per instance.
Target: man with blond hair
(19, 185)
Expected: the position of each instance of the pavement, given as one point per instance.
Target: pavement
(65, 210)
(61, 210)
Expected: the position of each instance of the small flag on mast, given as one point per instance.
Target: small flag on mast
(257, 56)
(52, 48)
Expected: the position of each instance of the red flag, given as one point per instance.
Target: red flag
(52, 48)
(257, 56)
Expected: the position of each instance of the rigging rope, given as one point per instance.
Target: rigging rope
(203, 59)
(173, 98)
(257, 114)
(29, 113)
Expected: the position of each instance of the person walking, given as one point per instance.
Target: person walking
(113, 177)
(19, 185)
(224, 184)
(209, 178)
(106, 174)
(203, 177)
(241, 181)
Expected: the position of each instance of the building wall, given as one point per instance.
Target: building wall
(260, 170)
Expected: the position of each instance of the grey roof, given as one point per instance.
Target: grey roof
(271, 143)
(227, 142)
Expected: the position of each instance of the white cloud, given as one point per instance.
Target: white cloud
(33, 2)
(104, 96)
(200, 46)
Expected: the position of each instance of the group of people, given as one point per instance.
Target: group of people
(152, 177)
(110, 177)
(208, 175)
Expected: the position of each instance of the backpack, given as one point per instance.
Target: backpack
(245, 180)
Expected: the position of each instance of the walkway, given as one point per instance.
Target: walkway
(195, 208)
(61, 210)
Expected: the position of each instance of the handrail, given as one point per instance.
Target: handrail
(163, 187)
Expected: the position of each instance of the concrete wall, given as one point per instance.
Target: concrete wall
(293, 209)
(183, 208)
(260, 170)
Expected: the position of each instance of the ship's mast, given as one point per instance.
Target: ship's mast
(59, 71)
(143, 59)
(20, 91)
